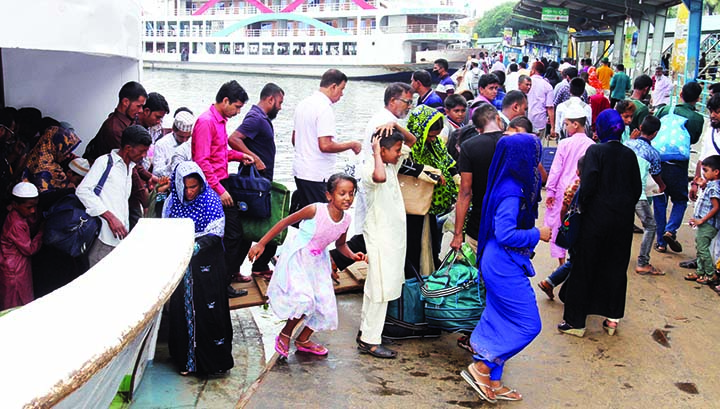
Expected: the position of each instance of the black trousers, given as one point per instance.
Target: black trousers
(414, 240)
(356, 244)
(232, 240)
(262, 263)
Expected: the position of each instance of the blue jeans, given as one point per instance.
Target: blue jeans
(644, 213)
(561, 274)
(675, 177)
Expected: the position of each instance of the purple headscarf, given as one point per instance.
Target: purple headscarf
(609, 126)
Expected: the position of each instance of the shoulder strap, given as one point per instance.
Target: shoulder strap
(103, 179)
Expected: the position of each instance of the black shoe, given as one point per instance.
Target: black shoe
(378, 350)
(233, 293)
(672, 242)
(690, 264)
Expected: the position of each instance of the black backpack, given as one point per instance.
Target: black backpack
(68, 227)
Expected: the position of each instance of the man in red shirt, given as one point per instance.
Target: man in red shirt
(210, 151)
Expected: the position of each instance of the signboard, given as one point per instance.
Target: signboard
(630, 46)
(555, 14)
(679, 51)
(507, 36)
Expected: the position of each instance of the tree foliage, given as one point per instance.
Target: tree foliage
(493, 21)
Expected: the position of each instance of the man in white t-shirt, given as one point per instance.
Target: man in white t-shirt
(314, 140)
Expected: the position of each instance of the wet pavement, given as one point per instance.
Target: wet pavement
(662, 356)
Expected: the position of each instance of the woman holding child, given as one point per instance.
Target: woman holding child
(610, 189)
(425, 124)
(505, 244)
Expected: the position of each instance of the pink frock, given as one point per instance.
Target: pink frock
(301, 284)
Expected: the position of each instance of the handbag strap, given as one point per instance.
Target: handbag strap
(99, 187)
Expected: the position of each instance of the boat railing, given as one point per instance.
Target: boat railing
(249, 9)
(73, 347)
(301, 32)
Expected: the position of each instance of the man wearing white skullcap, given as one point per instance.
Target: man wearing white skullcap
(166, 146)
(19, 240)
(575, 105)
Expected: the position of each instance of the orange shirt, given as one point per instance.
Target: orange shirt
(604, 74)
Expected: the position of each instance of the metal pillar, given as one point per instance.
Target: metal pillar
(658, 36)
(642, 45)
(618, 42)
(693, 44)
(564, 38)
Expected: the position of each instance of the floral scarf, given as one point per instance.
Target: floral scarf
(434, 154)
(205, 210)
(43, 167)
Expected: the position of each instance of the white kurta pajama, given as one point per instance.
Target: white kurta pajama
(384, 232)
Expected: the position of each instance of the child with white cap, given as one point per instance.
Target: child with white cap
(19, 240)
(166, 146)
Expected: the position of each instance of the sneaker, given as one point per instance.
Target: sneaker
(565, 328)
(672, 242)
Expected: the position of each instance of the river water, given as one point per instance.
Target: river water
(196, 90)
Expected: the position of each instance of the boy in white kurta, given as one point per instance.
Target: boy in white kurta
(384, 232)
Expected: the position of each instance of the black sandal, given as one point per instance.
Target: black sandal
(376, 350)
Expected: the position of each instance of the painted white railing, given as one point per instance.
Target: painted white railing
(73, 347)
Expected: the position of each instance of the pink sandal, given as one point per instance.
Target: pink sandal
(280, 348)
(311, 347)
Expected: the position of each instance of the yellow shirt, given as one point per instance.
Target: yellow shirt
(604, 74)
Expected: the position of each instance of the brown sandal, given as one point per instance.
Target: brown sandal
(691, 277)
(652, 271)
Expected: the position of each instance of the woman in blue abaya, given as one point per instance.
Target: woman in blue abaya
(505, 244)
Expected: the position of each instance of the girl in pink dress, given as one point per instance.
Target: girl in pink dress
(301, 286)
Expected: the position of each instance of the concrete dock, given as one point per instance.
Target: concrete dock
(661, 357)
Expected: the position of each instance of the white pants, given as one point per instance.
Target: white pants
(372, 320)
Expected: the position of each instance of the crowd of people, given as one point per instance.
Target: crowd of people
(478, 141)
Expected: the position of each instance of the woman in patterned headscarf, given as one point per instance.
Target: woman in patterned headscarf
(610, 187)
(426, 124)
(44, 166)
(200, 326)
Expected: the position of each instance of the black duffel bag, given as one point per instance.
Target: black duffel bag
(250, 191)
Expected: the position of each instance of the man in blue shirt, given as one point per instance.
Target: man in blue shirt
(420, 82)
(256, 137)
(446, 86)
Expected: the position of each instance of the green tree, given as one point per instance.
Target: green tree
(493, 21)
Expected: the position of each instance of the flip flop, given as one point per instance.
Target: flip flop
(311, 348)
(660, 248)
(672, 241)
(506, 395)
(653, 271)
(477, 386)
(691, 277)
(266, 274)
(279, 348)
(705, 280)
(716, 289)
(379, 352)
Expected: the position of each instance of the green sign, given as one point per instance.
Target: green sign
(555, 14)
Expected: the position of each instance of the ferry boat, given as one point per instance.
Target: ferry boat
(366, 39)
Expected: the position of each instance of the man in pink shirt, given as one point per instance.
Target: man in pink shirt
(210, 151)
(540, 101)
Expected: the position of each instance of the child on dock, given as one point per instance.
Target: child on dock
(20, 239)
(706, 220)
(302, 287)
(384, 232)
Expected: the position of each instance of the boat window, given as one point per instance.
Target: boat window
(283, 49)
(332, 49)
(349, 48)
(161, 47)
(224, 48)
(299, 48)
(211, 48)
(172, 48)
(268, 49)
(239, 48)
(316, 48)
(253, 48)
(148, 47)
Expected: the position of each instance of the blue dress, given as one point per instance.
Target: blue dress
(511, 319)
(506, 238)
